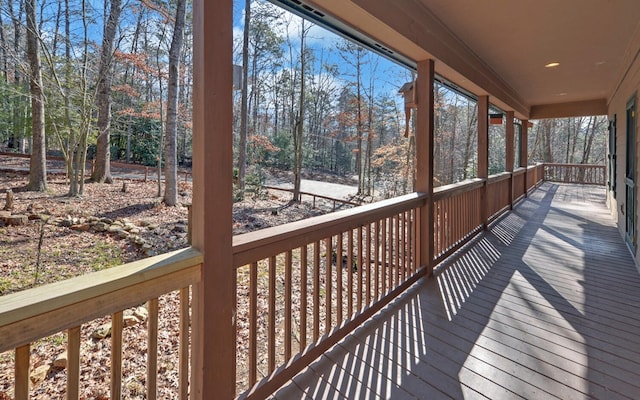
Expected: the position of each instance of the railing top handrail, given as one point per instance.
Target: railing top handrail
(446, 191)
(40, 300)
(575, 165)
(519, 170)
(495, 178)
(281, 238)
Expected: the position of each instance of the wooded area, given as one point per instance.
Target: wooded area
(112, 81)
(72, 91)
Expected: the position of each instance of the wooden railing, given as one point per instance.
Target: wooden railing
(30, 315)
(534, 176)
(575, 173)
(519, 189)
(498, 194)
(457, 215)
(301, 287)
(305, 285)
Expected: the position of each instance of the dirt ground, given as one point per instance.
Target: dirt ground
(61, 239)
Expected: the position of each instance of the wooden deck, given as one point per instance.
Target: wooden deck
(544, 305)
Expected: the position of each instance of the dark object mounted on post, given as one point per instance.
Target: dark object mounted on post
(409, 93)
(495, 119)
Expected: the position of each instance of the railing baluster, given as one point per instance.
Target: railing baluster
(73, 363)
(339, 268)
(316, 292)
(448, 226)
(403, 253)
(446, 223)
(460, 225)
(454, 218)
(442, 204)
(414, 242)
(407, 244)
(350, 274)
(376, 260)
(396, 264)
(367, 261)
(116, 355)
(384, 258)
(272, 314)
(360, 267)
(22, 372)
(287, 305)
(448, 218)
(437, 228)
(328, 283)
(253, 323)
(183, 372)
(152, 350)
(303, 296)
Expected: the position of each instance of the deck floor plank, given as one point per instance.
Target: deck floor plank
(545, 304)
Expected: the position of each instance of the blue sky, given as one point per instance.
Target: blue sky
(388, 75)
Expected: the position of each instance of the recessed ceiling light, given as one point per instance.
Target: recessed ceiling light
(552, 64)
(561, 94)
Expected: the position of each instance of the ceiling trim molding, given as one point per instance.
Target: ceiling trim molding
(571, 109)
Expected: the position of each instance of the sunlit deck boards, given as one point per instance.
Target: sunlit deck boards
(544, 305)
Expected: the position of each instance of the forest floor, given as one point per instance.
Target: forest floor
(66, 237)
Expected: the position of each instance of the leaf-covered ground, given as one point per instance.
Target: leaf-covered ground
(70, 246)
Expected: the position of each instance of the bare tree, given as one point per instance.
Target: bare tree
(299, 123)
(102, 171)
(18, 130)
(244, 113)
(547, 155)
(171, 144)
(38, 164)
(356, 57)
(3, 48)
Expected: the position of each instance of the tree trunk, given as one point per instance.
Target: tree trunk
(171, 144)
(3, 51)
(160, 153)
(359, 127)
(586, 153)
(38, 164)
(16, 139)
(244, 112)
(299, 127)
(547, 156)
(102, 171)
(577, 126)
(471, 134)
(452, 144)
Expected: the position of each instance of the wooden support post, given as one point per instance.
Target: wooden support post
(214, 327)
(509, 152)
(424, 159)
(524, 151)
(483, 153)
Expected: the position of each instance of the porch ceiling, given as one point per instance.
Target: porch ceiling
(501, 47)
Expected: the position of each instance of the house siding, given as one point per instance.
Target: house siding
(628, 89)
